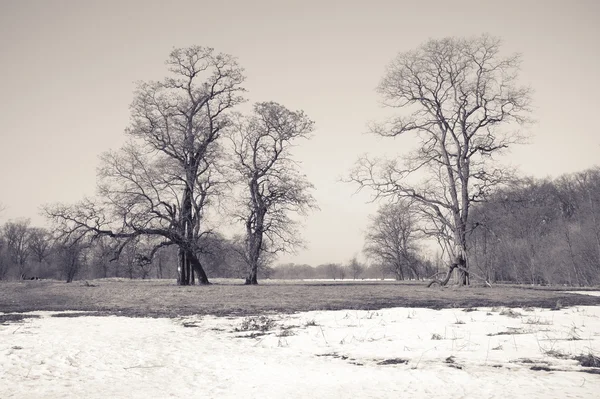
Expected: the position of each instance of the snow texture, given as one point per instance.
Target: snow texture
(389, 353)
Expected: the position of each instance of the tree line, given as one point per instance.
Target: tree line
(540, 231)
(529, 231)
(29, 252)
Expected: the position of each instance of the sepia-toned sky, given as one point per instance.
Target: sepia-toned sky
(67, 72)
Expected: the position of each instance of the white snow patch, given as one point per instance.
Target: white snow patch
(485, 353)
(592, 293)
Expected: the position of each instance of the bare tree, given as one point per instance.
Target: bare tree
(161, 183)
(16, 234)
(274, 187)
(334, 270)
(4, 263)
(39, 243)
(391, 239)
(71, 258)
(101, 253)
(356, 268)
(460, 96)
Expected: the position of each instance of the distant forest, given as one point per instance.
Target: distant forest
(531, 231)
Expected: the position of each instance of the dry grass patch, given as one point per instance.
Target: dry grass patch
(589, 360)
(6, 319)
(162, 298)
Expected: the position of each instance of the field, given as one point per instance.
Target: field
(362, 339)
(162, 298)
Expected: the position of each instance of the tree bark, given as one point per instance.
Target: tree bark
(181, 268)
(463, 277)
(252, 278)
(197, 269)
(461, 258)
(443, 282)
(255, 237)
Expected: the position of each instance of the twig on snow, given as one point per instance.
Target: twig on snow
(323, 335)
(142, 367)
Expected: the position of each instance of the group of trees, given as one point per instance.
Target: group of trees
(27, 251)
(529, 231)
(461, 99)
(191, 155)
(32, 252)
(540, 231)
(352, 270)
(190, 152)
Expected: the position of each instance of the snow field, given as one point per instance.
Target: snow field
(399, 352)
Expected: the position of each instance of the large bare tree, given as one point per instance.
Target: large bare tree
(461, 99)
(161, 182)
(273, 186)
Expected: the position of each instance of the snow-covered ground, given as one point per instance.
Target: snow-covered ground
(389, 353)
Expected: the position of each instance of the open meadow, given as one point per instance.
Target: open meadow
(162, 298)
(366, 339)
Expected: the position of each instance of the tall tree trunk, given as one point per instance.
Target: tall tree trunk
(181, 268)
(197, 268)
(189, 268)
(185, 219)
(252, 278)
(462, 259)
(253, 258)
(159, 268)
(254, 246)
(463, 271)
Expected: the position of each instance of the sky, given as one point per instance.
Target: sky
(68, 69)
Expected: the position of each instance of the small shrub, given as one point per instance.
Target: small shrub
(15, 318)
(310, 323)
(436, 337)
(558, 305)
(589, 360)
(555, 353)
(538, 321)
(257, 323)
(510, 313)
(540, 368)
(510, 331)
(286, 333)
(573, 334)
(452, 363)
(392, 361)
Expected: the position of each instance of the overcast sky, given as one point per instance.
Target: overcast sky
(68, 69)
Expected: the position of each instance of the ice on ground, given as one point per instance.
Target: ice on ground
(389, 353)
